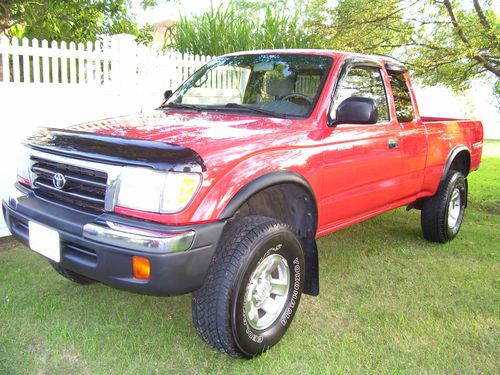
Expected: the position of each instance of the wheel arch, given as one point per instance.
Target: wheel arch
(459, 159)
(286, 196)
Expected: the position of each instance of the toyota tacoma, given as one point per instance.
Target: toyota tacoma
(223, 190)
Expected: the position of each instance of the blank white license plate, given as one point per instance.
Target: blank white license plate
(44, 241)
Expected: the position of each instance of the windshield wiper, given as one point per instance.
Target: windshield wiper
(181, 106)
(228, 105)
(256, 110)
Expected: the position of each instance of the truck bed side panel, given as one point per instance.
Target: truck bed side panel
(443, 138)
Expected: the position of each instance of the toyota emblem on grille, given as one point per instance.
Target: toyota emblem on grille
(59, 181)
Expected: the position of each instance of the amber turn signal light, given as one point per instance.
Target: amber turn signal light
(141, 268)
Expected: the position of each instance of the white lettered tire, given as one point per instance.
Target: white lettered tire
(253, 288)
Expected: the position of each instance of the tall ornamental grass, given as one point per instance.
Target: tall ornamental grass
(227, 29)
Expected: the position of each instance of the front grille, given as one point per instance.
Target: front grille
(84, 188)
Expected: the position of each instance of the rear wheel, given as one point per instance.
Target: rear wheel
(253, 287)
(443, 213)
(70, 275)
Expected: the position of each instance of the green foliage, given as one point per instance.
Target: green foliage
(443, 42)
(233, 28)
(215, 32)
(374, 27)
(455, 53)
(75, 20)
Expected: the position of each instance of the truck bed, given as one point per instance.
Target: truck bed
(443, 136)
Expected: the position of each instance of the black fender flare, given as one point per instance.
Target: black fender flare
(263, 182)
(451, 157)
(311, 285)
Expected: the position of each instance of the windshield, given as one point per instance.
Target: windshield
(280, 85)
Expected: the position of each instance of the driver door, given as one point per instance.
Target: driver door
(361, 162)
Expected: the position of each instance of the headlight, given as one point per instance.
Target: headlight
(24, 166)
(153, 191)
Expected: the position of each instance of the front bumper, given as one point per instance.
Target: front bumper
(101, 247)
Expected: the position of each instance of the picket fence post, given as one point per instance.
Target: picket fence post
(4, 50)
(124, 61)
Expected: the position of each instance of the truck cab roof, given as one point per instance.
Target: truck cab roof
(390, 62)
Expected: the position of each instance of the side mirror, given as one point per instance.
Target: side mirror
(356, 110)
(167, 94)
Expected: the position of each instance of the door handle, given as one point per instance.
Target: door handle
(393, 143)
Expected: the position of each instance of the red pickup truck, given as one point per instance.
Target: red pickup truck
(223, 190)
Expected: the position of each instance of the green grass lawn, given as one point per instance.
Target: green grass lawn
(390, 302)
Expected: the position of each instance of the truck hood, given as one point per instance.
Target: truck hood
(170, 140)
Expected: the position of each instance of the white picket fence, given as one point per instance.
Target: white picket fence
(34, 62)
(117, 60)
(60, 84)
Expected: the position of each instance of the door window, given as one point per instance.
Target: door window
(366, 82)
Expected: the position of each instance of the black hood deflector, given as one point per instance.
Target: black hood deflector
(116, 150)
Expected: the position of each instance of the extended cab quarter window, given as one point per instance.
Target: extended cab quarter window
(402, 98)
(366, 82)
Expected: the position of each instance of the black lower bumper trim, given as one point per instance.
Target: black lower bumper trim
(171, 273)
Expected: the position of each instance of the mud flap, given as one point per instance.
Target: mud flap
(311, 284)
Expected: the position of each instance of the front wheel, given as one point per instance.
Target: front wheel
(253, 287)
(442, 214)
